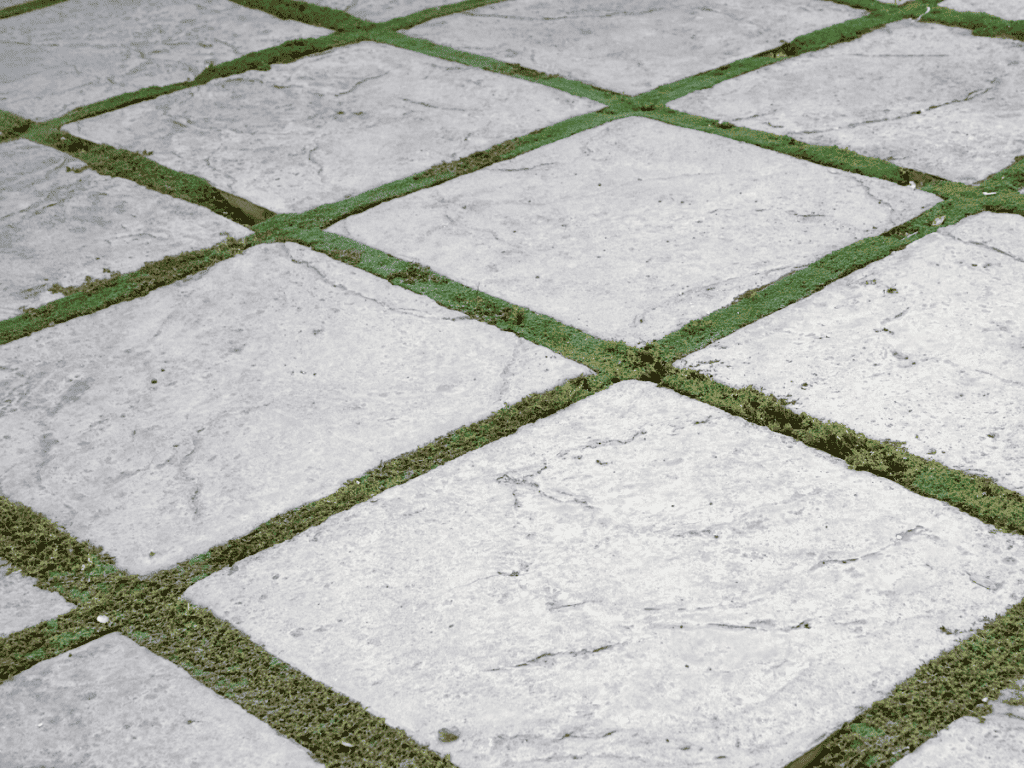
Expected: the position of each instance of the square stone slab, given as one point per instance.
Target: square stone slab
(629, 47)
(162, 426)
(331, 125)
(957, 113)
(651, 225)
(924, 346)
(112, 702)
(69, 54)
(49, 199)
(637, 575)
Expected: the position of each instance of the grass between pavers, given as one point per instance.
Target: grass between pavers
(338, 731)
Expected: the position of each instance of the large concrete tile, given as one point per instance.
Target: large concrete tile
(957, 112)
(1004, 9)
(112, 702)
(162, 426)
(639, 578)
(651, 225)
(332, 125)
(25, 604)
(925, 346)
(61, 222)
(69, 54)
(628, 47)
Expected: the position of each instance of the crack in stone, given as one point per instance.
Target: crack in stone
(968, 97)
(988, 247)
(417, 313)
(557, 653)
